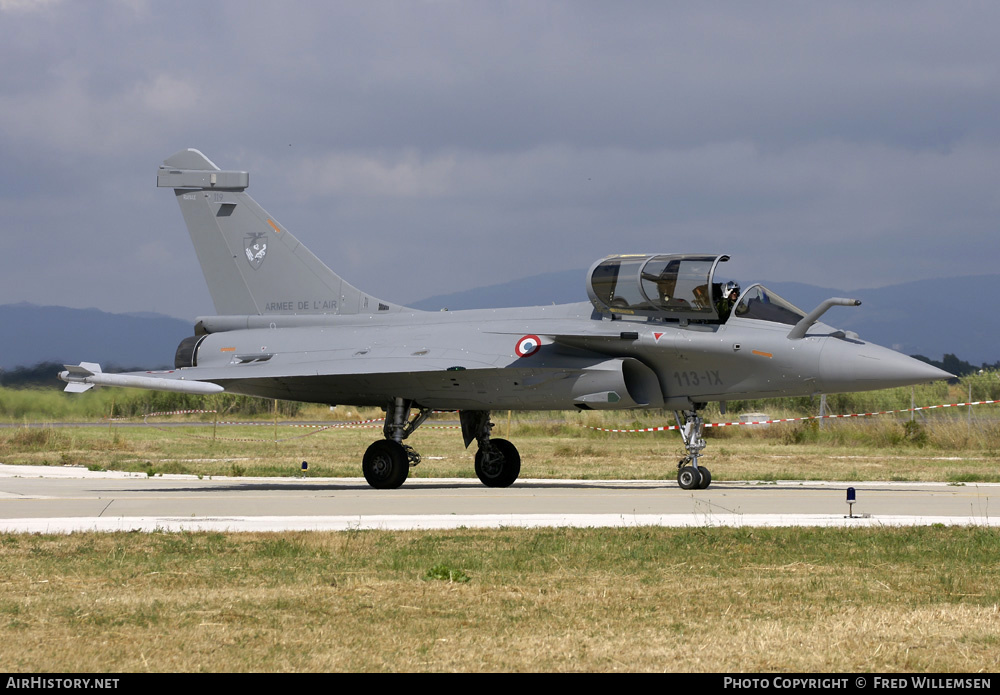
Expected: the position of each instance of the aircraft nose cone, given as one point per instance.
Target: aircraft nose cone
(858, 366)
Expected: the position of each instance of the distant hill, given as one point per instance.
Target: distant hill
(928, 317)
(563, 287)
(33, 334)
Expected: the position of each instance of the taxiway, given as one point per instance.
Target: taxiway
(43, 499)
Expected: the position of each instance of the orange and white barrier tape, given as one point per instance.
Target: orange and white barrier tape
(362, 424)
(359, 424)
(666, 428)
(171, 412)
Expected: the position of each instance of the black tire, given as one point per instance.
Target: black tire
(385, 465)
(706, 478)
(502, 467)
(688, 478)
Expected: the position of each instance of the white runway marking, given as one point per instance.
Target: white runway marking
(410, 522)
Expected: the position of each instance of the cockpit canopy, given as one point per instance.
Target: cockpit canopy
(668, 287)
(762, 304)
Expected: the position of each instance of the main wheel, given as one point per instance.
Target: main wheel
(688, 478)
(706, 478)
(500, 465)
(385, 464)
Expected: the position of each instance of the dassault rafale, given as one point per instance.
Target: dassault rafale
(660, 331)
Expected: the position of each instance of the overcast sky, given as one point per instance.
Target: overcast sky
(420, 148)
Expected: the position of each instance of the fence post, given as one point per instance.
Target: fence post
(970, 405)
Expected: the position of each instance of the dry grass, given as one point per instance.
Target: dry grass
(892, 600)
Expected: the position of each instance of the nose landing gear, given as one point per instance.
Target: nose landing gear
(691, 476)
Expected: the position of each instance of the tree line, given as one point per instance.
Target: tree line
(958, 367)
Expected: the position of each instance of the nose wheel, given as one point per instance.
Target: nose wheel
(691, 476)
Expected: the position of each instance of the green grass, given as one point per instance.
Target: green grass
(49, 405)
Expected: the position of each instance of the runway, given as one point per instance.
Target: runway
(43, 499)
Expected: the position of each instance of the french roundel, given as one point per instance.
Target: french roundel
(528, 345)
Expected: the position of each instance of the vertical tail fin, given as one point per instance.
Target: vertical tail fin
(251, 263)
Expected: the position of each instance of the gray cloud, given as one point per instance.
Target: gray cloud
(425, 147)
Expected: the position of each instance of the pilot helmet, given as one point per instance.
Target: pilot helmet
(730, 287)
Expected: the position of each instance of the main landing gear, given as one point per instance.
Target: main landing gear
(387, 462)
(497, 462)
(691, 476)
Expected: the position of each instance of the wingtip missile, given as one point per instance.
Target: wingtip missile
(86, 375)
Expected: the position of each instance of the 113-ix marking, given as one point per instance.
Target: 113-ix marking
(709, 377)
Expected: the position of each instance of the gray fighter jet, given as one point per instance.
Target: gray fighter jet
(659, 332)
